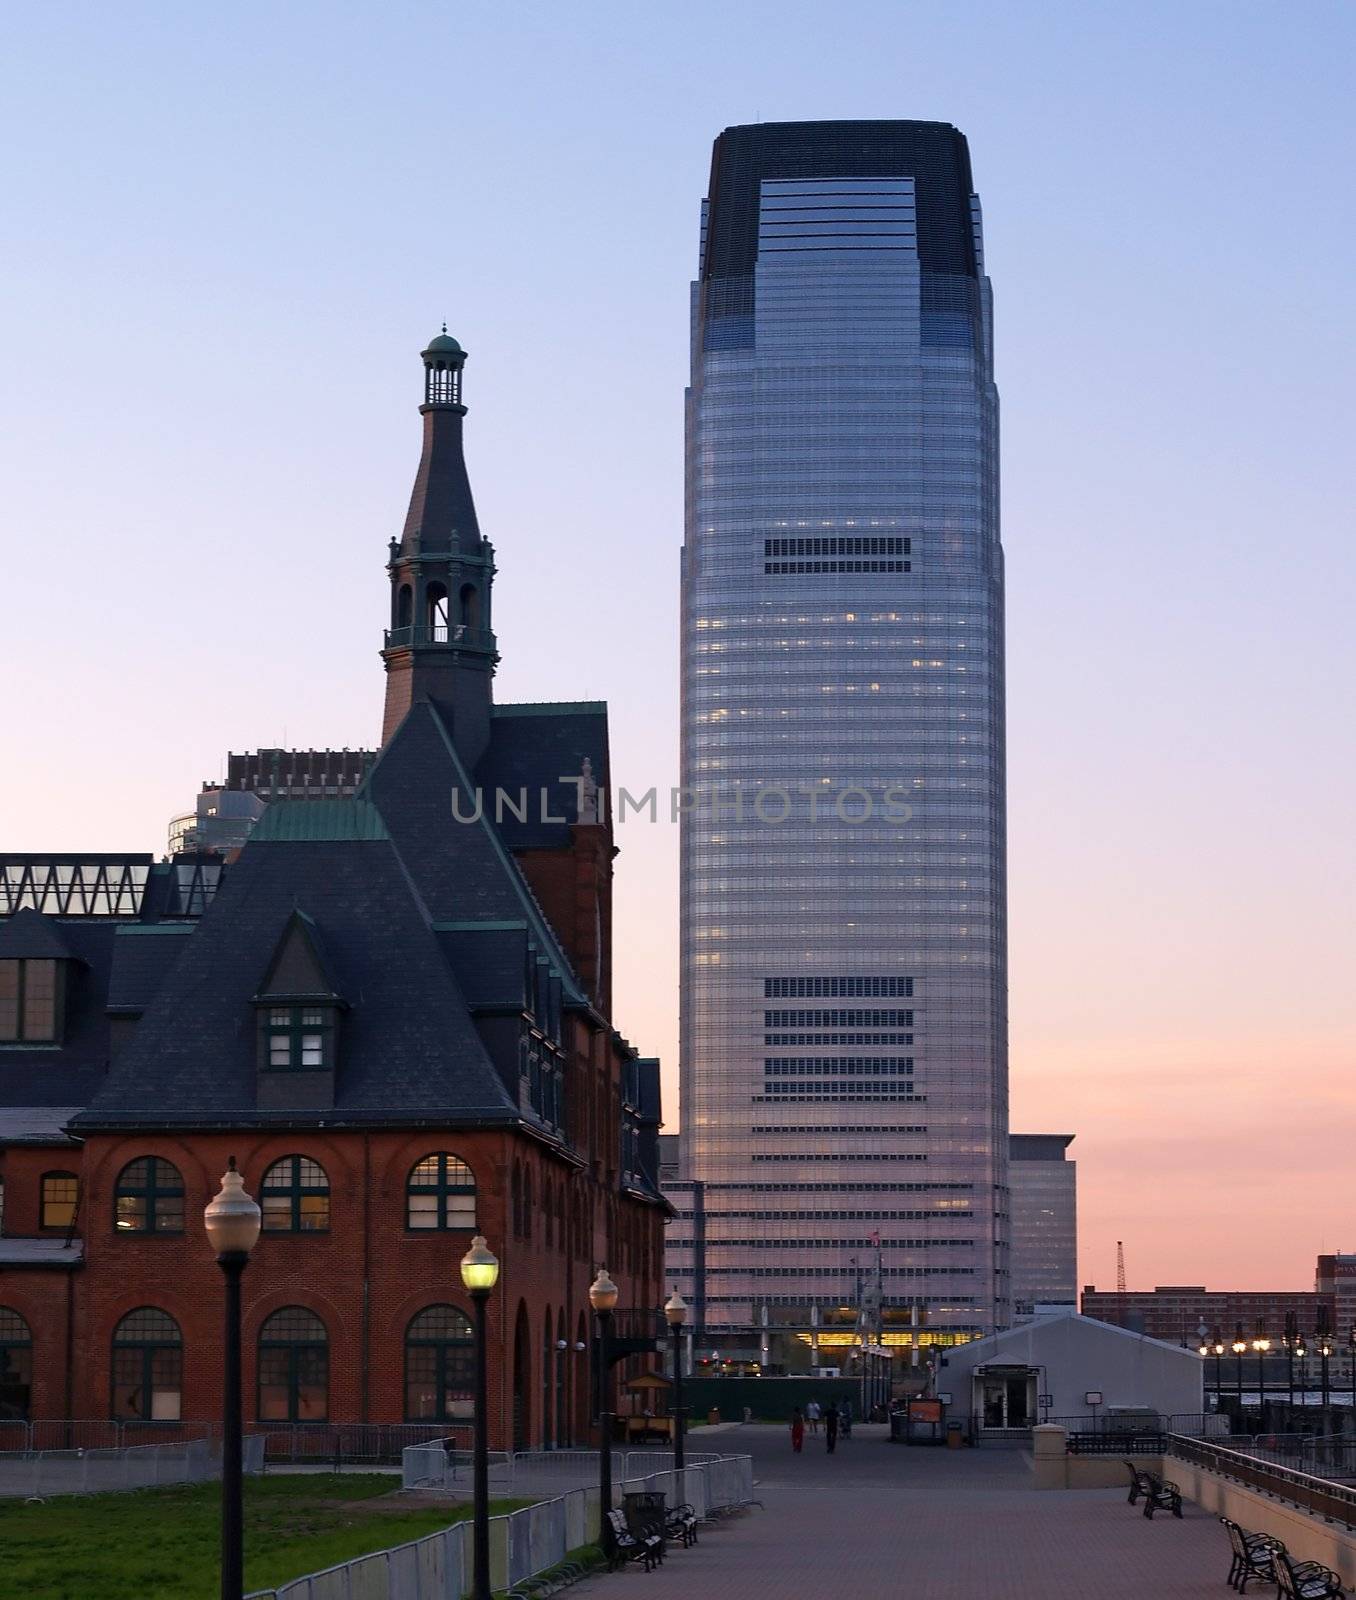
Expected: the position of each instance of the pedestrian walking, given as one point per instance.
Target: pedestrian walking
(831, 1427)
(797, 1430)
(812, 1415)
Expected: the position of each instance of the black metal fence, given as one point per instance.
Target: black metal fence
(1116, 1444)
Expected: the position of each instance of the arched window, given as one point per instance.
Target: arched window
(436, 612)
(148, 1366)
(16, 1366)
(548, 1234)
(294, 1367)
(470, 605)
(439, 1365)
(149, 1197)
(441, 1194)
(295, 1197)
(60, 1191)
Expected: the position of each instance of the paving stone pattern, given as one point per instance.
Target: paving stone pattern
(877, 1520)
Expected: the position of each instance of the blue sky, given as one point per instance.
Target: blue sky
(226, 232)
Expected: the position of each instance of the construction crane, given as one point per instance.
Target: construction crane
(1120, 1283)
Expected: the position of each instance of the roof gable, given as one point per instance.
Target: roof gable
(408, 1050)
(30, 936)
(297, 969)
(453, 850)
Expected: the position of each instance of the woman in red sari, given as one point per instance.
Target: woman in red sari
(797, 1430)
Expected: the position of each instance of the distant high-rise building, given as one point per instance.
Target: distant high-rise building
(843, 988)
(1043, 1184)
(1335, 1281)
(225, 813)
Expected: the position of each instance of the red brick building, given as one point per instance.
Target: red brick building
(1177, 1312)
(392, 1009)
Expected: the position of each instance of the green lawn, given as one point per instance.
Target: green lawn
(162, 1544)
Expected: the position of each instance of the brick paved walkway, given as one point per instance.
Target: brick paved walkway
(878, 1521)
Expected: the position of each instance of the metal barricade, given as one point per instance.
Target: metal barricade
(522, 1543)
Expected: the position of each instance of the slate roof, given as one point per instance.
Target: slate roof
(531, 747)
(142, 954)
(464, 872)
(442, 508)
(35, 1124)
(491, 959)
(29, 935)
(408, 1047)
(66, 1075)
(41, 1253)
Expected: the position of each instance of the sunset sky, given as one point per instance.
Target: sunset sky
(227, 232)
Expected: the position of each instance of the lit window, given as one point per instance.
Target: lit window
(441, 1194)
(298, 1038)
(295, 1197)
(149, 1197)
(60, 1192)
(28, 1002)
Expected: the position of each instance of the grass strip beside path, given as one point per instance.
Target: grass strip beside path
(163, 1544)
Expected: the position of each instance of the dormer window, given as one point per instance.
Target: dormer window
(298, 1010)
(299, 1038)
(29, 1013)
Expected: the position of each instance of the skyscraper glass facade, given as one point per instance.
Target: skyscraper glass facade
(844, 1061)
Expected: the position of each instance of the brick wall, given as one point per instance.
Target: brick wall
(365, 1278)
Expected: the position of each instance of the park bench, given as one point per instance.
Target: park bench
(681, 1524)
(1157, 1493)
(1162, 1496)
(621, 1545)
(646, 1515)
(1251, 1556)
(1304, 1580)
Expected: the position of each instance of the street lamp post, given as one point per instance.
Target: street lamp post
(1261, 1344)
(232, 1221)
(1288, 1339)
(479, 1274)
(603, 1298)
(1218, 1348)
(1207, 1350)
(1300, 1352)
(1324, 1352)
(1239, 1346)
(676, 1312)
(1351, 1340)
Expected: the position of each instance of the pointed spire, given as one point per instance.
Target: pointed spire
(440, 643)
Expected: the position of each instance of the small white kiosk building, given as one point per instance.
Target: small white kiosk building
(1068, 1366)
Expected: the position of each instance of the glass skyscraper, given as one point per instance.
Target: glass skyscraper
(844, 1146)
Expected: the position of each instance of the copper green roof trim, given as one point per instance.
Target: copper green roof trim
(318, 822)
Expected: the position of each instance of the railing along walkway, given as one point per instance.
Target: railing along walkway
(1334, 1502)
